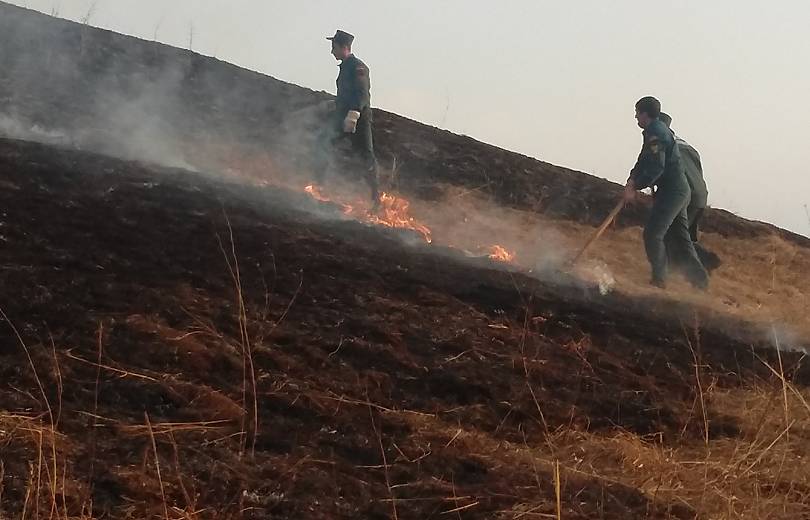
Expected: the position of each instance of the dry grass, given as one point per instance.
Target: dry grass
(738, 287)
(250, 421)
(762, 279)
(752, 476)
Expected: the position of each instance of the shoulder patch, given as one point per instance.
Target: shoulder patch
(653, 144)
(362, 71)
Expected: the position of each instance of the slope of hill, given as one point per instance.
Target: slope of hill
(74, 85)
(379, 375)
(126, 96)
(205, 339)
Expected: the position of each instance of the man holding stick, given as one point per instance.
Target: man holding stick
(659, 165)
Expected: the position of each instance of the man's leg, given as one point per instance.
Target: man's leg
(684, 249)
(666, 208)
(709, 259)
(364, 144)
(324, 149)
(676, 262)
(673, 261)
(694, 214)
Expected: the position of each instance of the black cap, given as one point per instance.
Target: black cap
(342, 38)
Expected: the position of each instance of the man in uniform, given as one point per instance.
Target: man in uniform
(352, 117)
(659, 165)
(690, 158)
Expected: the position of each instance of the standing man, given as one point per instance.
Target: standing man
(352, 117)
(690, 158)
(659, 165)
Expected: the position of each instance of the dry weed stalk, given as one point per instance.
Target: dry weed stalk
(698, 364)
(378, 435)
(170, 428)
(782, 375)
(250, 430)
(51, 469)
(557, 491)
(157, 465)
(118, 371)
(190, 502)
(94, 425)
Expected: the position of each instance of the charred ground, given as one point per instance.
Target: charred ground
(386, 375)
(392, 380)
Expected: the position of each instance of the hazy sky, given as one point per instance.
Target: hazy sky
(556, 80)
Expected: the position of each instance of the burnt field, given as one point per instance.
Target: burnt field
(214, 338)
(178, 345)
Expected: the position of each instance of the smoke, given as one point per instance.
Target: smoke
(67, 84)
(133, 128)
(598, 273)
(785, 338)
(142, 124)
(15, 128)
(71, 85)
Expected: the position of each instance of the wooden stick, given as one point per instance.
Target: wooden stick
(611, 216)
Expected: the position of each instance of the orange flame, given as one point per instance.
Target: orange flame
(500, 254)
(394, 213)
(316, 194)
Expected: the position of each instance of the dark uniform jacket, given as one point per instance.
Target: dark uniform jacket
(659, 163)
(353, 88)
(694, 173)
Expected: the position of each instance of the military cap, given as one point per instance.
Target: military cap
(342, 38)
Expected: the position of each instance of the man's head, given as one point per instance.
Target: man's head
(647, 110)
(341, 45)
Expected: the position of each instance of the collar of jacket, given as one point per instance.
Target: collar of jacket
(347, 60)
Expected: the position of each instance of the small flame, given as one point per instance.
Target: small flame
(394, 213)
(500, 254)
(316, 194)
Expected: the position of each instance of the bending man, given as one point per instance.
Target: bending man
(690, 158)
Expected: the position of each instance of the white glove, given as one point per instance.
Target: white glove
(350, 123)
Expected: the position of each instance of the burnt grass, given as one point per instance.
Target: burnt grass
(383, 371)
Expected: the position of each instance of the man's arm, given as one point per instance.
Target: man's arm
(361, 93)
